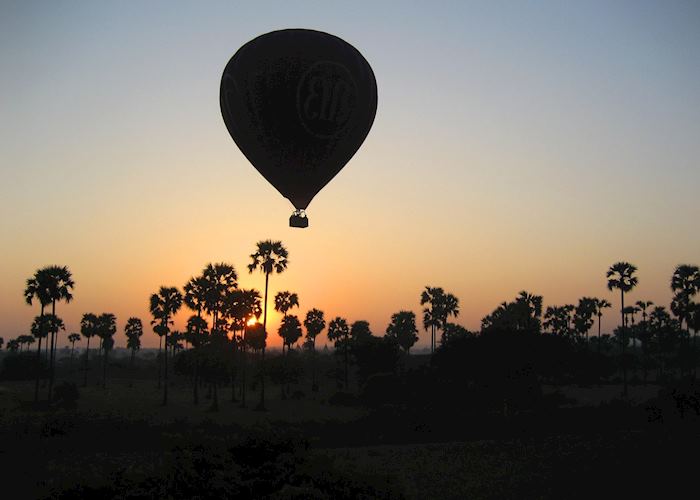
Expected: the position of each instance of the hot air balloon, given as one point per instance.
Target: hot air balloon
(298, 103)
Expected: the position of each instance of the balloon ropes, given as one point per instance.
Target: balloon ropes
(298, 103)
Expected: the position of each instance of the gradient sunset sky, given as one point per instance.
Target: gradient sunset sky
(517, 145)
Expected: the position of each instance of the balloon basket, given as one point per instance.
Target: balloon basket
(299, 219)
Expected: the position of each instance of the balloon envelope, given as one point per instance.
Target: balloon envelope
(298, 103)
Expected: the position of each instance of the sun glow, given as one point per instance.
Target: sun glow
(251, 321)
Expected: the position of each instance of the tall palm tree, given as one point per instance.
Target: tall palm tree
(284, 301)
(72, 338)
(88, 328)
(133, 331)
(37, 287)
(290, 331)
(60, 281)
(270, 256)
(600, 304)
(163, 306)
(314, 324)
(442, 306)
(220, 280)
(339, 332)
(106, 328)
(195, 333)
(685, 282)
(621, 277)
(195, 294)
(431, 315)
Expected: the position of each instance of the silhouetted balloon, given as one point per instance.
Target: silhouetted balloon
(298, 103)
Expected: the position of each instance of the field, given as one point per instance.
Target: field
(122, 433)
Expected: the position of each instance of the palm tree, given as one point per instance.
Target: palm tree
(270, 256)
(314, 324)
(195, 294)
(284, 301)
(431, 315)
(133, 331)
(106, 328)
(27, 340)
(685, 282)
(442, 306)
(532, 305)
(621, 277)
(88, 328)
(290, 331)
(38, 288)
(219, 280)
(600, 304)
(195, 333)
(403, 329)
(338, 332)
(72, 338)
(163, 306)
(60, 281)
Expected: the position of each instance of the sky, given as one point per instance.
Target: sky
(517, 146)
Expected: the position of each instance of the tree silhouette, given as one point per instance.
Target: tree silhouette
(133, 331)
(72, 338)
(163, 306)
(284, 301)
(621, 277)
(644, 335)
(270, 256)
(221, 280)
(37, 287)
(106, 328)
(600, 305)
(88, 328)
(441, 306)
(245, 307)
(60, 285)
(196, 335)
(25, 340)
(403, 329)
(338, 332)
(453, 332)
(314, 324)
(290, 331)
(583, 316)
(685, 283)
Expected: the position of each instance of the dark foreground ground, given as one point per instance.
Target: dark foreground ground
(120, 443)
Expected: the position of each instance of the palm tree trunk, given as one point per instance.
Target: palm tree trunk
(52, 352)
(195, 395)
(87, 354)
(244, 362)
(622, 337)
(314, 384)
(261, 406)
(345, 359)
(160, 361)
(165, 370)
(38, 355)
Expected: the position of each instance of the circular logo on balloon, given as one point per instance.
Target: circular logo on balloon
(326, 98)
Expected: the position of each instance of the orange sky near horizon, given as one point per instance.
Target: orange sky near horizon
(515, 147)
